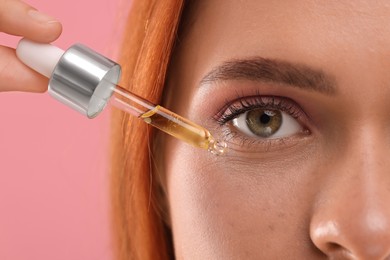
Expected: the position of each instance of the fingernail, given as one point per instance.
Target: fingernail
(41, 17)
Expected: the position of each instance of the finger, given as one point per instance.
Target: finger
(18, 18)
(15, 76)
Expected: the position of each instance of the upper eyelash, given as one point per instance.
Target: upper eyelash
(244, 104)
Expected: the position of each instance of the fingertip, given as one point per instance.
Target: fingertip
(29, 80)
(48, 33)
(45, 28)
(16, 76)
(38, 84)
(21, 19)
(57, 30)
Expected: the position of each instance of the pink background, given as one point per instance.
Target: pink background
(54, 201)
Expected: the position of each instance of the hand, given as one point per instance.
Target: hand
(18, 18)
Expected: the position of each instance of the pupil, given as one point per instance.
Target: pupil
(264, 119)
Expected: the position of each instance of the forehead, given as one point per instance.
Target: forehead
(252, 24)
(339, 37)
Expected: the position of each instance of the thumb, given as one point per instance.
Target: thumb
(15, 76)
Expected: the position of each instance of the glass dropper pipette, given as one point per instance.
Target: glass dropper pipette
(166, 121)
(87, 81)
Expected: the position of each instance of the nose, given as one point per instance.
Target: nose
(362, 237)
(351, 219)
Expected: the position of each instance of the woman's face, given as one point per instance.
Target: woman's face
(300, 90)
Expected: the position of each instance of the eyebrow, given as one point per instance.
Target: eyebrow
(272, 71)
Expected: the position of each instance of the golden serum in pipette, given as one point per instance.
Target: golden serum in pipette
(167, 121)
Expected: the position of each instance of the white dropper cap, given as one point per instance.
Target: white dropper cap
(79, 77)
(42, 58)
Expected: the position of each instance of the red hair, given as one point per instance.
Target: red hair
(139, 230)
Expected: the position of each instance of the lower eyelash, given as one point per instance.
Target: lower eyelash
(266, 145)
(242, 105)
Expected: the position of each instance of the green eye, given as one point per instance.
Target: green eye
(267, 123)
(264, 122)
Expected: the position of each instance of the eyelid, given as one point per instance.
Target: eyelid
(244, 104)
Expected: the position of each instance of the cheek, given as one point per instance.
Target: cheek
(222, 208)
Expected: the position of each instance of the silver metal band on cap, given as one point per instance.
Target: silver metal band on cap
(84, 79)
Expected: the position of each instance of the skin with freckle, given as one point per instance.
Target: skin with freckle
(322, 194)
